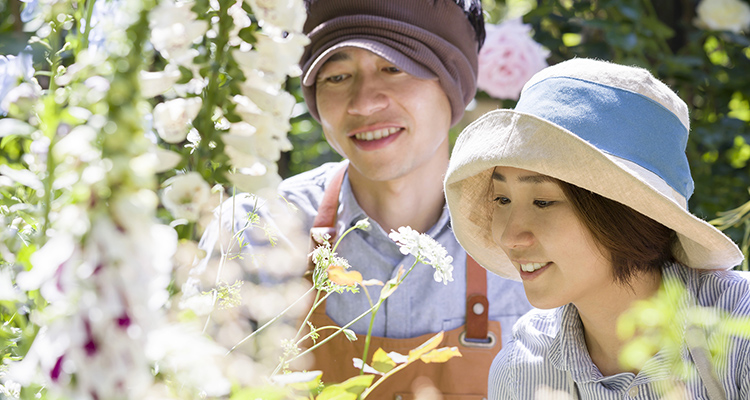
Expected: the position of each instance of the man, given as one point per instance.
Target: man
(387, 79)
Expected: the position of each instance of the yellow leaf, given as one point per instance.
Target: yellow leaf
(392, 284)
(381, 361)
(338, 275)
(441, 355)
(427, 346)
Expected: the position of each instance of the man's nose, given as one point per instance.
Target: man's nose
(368, 96)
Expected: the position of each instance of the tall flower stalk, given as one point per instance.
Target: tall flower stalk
(91, 248)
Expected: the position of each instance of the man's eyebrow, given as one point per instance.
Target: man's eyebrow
(339, 56)
(536, 178)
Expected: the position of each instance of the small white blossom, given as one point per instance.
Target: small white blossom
(185, 353)
(241, 20)
(185, 195)
(287, 15)
(156, 83)
(174, 27)
(426, 249)
(277, 57)
(363, 224)
(172, 118)
(723, 15)
(13, 71)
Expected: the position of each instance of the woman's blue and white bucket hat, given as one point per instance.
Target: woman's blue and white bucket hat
(614, 130)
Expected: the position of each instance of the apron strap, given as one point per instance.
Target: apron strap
(695, 338)
(325, 221)
(477, 305)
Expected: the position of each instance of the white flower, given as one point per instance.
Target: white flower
(508, 59)
(723, 15)
(271, 100)
(427, 251)
(241, 20)
(185, 195)
(78, 144)
(172, 118)
(182, 351)
(156, 83)
(174, 28)
(14, 70)
(164, 159)
(260, 136)
(287, 15)
(261, 178)
(7, 291)
(363, 224)
(22, 96)
(277, 57)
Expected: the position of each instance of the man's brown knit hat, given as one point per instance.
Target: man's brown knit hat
(426, 38)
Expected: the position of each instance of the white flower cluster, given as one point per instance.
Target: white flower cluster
(427, 251)
(255, 143)
(17, 82)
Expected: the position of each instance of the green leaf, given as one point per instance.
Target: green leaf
(381, 362)
(185, 75)
(348, 390)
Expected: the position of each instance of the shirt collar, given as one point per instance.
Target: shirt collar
(568, 350)
(350, 212)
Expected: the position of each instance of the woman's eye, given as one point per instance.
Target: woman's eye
(501, 200)
(392, 70)
(543, 203)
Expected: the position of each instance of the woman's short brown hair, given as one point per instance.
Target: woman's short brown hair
(634, 242)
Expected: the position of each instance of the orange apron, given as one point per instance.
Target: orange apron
(479, 340)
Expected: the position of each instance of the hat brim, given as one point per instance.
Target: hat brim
(514, 139)
(393, 56)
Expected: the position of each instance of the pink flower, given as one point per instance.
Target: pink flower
(508, 59)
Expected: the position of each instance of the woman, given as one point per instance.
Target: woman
(581, 192)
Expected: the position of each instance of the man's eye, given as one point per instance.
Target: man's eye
(501, 200)
(336, 78)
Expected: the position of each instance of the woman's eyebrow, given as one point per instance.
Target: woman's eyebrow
(535, 178)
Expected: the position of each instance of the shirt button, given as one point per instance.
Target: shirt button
(633, 392)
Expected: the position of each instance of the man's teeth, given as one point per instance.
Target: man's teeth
(531, 267)
(376, 134)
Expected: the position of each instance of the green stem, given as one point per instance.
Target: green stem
(88, 11)
(382, 378)
(329, 337)
(369, 335)
(51, 131)
(342, 236)
(315, 305)
(268, 323)
(211, 99)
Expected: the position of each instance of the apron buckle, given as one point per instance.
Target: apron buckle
(487, 343)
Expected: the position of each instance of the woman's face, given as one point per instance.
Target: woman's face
(538, 229)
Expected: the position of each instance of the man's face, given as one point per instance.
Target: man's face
(387, 122)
